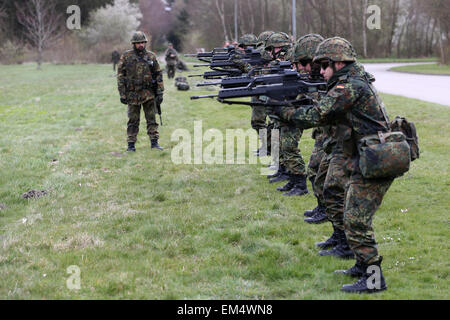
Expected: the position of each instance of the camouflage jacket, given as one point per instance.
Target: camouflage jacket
(139, 76)
(171, 56)
(352, 103)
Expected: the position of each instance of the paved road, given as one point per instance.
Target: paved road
(429, 88)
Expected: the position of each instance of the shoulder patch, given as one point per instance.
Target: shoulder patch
(340, 86)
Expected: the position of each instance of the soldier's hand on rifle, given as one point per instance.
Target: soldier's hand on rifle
(123, 100)
(159, 98)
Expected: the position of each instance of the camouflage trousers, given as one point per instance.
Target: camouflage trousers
(290, 155)
(171, 68)
(134, 115)
(317, 155)
(331, 183)
(258, 122)
(363, 198)
(258, 117)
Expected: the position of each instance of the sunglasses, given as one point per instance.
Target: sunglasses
(304, 63)
(324, 65)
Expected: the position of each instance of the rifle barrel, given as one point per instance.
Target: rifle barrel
(203, 97)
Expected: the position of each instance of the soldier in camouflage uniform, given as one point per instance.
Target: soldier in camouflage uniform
(140, 83)
(354, 105)
(291, 161)
(171, 57)
(302, 58)
(259, 115)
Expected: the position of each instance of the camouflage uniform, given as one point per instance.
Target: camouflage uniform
(138, 73)
(115, 57)
(258, 119)
(171, 57)
(290, 155)
(354, 105)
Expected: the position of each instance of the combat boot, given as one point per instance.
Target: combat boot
(318, 218)
(356, 271)
(310, 213)
(330, 242)
(131, 147)
(280, 169)
(300, 188)
(341, 250)
(289, 185)
(155, 144)
(282, 176)
(370, 282)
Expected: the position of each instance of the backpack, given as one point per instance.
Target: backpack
(409, 130)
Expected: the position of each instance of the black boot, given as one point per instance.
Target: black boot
(330, 242)
(276, 174)
(370, 282)
(300, 188)
(155, 144)
(341, 250)
(289, 185)
(310, 213)
(356, 271)
(282, 176)
(318, 218)
(131, 147)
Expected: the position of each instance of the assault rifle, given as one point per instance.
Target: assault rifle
(219, 74)
(251, 56)
(283, 92)
(207, 56)
(267, 75)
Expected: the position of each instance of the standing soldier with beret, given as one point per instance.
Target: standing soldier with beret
(140, 83)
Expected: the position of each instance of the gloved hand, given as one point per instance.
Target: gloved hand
(124, 100)
(159, 98)
(273, 110)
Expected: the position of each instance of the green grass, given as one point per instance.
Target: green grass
(140, 227)
(437, 69)
(397, 60)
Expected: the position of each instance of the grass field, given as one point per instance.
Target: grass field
(437, 69)
(140, 227)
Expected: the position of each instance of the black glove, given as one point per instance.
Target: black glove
(274, 110)
(159, 98)
(124, 100)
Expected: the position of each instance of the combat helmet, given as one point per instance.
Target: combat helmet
(248, 40)
(262, 38)
(277, 40)
(306, 47)
(138, 36)
(335, 49)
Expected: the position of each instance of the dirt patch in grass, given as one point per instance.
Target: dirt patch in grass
(34, 194)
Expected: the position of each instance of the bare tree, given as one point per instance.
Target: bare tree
(42, 24)
(221, 11)
(364, 31)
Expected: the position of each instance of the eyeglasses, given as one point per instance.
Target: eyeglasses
(324, 65)
(305, 62)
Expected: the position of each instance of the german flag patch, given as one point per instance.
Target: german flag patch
(340, 86)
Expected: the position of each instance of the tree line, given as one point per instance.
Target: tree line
(407, 28)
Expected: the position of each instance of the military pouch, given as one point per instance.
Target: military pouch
(384, 155)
